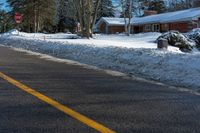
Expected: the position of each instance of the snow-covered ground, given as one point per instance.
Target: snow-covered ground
(134, 55)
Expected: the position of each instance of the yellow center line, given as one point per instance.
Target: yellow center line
(91, 123)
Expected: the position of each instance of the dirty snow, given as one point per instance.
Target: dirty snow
(134, 55)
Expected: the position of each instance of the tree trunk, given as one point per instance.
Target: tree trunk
(130, 17)
(95, 12)
(123, 3)
(35, 22)
(87, 15)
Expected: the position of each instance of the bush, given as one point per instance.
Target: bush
(195, 36)
(179, 40)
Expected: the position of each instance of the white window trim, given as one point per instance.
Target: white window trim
(155, 29)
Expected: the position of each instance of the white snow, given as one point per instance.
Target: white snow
(11, 32)
(134, 55)
(177, 16)
(112, 21)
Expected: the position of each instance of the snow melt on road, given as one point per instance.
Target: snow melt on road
(135, 55)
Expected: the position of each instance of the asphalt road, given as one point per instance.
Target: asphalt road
(123, 105)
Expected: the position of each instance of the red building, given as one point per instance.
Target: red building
(182, 21)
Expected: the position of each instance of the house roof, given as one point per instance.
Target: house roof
(183, 15)
(111, 21)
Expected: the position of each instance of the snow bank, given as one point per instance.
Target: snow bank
(134, 55)
(12, 32)
(40, 36)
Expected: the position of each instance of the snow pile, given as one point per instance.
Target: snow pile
(11, 32)
(134, 55)
(40, 36)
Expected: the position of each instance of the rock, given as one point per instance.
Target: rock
(162, 44)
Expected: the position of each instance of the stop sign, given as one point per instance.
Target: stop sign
(18, 18)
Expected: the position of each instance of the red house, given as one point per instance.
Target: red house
(182, 21)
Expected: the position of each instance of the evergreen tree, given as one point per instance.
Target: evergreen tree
(37, 14)
(137, 8)
(157, 5)
(176, 5)
(106, 9)
(66, 16)
(196, 3)
(5, 20)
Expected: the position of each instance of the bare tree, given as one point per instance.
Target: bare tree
(123, 5)
(127, 10)
(87, 14)
(130, 16)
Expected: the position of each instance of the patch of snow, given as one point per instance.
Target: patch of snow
(11, 32)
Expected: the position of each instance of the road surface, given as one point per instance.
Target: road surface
(117, 104)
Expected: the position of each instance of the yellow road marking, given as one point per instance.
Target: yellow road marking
(66, 110)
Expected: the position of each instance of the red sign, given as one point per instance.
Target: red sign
(18, 18)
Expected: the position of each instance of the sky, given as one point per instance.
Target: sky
(4, 4)
(115, 1)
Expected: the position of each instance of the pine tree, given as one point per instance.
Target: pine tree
(136, 9)
(176, 5)
(106, 9)
(6, 20)
(65, 16)
(37, 14)
(157, 5)
(196, 3)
